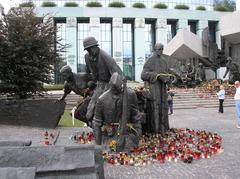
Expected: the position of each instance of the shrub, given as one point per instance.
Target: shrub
(71, 4)
(221, 8)
(201, 8)
(49, 4)
(94, 4)
(160, 6)
(181, 6)
(138, 5)
(27, 4)
(116, 4)
(27, 52)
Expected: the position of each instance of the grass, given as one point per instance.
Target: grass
(66, 121)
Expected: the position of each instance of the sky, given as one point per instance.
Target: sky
(8, 3)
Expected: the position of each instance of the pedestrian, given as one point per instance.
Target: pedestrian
(221, 96)
(237, 102)
(170, 101)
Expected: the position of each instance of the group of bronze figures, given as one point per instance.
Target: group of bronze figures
(114, 111)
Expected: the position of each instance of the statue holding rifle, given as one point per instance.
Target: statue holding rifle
(156, 76)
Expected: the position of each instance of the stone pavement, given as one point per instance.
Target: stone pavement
(225, 165)
(220, 166)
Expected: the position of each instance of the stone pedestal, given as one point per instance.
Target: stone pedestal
(44, 113)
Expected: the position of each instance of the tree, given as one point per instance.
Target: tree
(28, 52)
(224, 5)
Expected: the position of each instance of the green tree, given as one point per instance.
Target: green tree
(228, 5)
(28, 52)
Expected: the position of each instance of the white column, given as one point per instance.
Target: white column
(117, 33)
(161, 31)
(139, 47)
(181, 24)
(94, 27)
(202, 24)
(218, 36)
(71, 38)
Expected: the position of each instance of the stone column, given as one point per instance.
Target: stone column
(218, 36)
(139, 49)
(71, 38)
(161, 31)
(94, 27)
(181, 24)
(117, 41)
(202, 24)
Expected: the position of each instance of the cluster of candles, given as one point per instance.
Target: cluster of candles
(83, 137)
(48, 137)
(175, 145)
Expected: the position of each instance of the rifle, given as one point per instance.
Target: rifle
(123, 123)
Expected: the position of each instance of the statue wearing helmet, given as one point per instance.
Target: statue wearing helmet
(108, 116)
(101, 66)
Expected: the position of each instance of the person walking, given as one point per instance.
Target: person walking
(237, 102)
(221, 96)
(170, 101)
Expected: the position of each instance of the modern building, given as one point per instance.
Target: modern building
(128, 33)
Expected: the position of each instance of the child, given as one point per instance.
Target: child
(221, 96)
(170, 101)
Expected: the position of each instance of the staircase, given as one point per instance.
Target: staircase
(183, 99)
(190, 98)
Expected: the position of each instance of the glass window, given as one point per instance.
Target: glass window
(193, 26)
(83, 32)
(128, 50)
(149, 38)
(105, 40)
(212, 30)
(171, 29)
(61, 34)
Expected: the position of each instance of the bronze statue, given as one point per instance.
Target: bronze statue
(156, 75)
(75, 82)
(233, 68)
(101, 66)
(200, 74)
(109, 122)
(190, 72)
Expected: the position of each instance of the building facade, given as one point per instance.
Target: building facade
(128, 34)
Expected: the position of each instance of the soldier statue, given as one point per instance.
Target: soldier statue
(109, 121)
(75, 82)
(156, 75)
(233, 68)
(200, 74)
(101, 66)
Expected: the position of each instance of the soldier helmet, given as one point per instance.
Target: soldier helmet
(66, 68)
(89, 42)
(116, 80)
(229, 59)
(200, 64)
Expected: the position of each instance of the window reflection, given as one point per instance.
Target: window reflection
(128, 50)
(83, 32)
(61, 34)
(105, 40)
(149, 38)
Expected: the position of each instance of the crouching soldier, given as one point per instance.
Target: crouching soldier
(109, 122)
